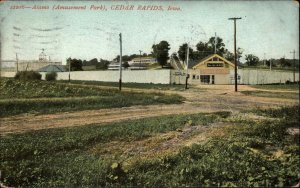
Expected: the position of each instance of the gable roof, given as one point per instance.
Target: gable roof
(210, 57)
(52, 68)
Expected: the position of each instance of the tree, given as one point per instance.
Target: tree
(76, 64)
(182, 52)
(203, 49)
(220, 46)
(230, 56)
(125, 65)
(126, 57)
(251, 60)
(284, 63)
(103, 64)
(161, 52)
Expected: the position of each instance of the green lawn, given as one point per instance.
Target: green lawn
(253, 153)
(284, 95)
(130, 85)
(294, 87)
(46, 97)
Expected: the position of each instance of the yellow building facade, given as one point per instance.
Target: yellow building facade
(213, 69)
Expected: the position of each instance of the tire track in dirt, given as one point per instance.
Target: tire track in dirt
(214, 98)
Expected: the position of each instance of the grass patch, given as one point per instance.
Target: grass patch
(284, 95)
(287, 112)
(130, 85)
(294, 87)
(251, 154)
(18, 97)
(59, 157)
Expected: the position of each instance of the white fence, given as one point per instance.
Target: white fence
(170, 76)
(139, 76)
(251, 76)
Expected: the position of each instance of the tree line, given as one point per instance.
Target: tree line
(160, 52)
(77, 64)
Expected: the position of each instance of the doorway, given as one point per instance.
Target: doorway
(205, 79)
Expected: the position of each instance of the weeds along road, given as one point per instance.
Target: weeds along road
(209, 98)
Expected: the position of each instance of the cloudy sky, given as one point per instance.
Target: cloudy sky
(266, 27)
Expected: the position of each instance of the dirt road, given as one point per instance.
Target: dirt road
(209, 98)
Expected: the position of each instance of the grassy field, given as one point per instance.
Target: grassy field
(244, 153)
(46, 97)
(293, 87)
(130, 85)
(270, 94)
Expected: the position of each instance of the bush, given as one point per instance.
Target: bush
(51, 76)
(28, 75)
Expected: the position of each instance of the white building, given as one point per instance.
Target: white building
(142, 60)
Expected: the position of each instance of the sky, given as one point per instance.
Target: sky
(267, 29)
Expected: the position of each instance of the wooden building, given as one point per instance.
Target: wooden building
(213, 69)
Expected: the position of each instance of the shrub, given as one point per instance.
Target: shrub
(28, 75)
(51, 76)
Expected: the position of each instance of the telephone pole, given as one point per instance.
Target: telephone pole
(120, 79)
(140, 59)
(216, 42)
(17, 61)
(69, 60)
(187, 66)
(294, 67)
(235, 64)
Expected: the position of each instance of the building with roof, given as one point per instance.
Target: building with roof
(142, 60)
(212, 69)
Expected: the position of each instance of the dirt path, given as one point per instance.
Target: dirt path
(209, 98)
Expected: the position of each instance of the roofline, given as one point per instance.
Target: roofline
(208, 57)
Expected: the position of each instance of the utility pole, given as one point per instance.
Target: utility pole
(120, 79)
(235, 64)
(69, 60)
(215, 42)
(187, 66)
(140, 59)
(270, 64)
(17, 60)
(264, 59)
(294, 67)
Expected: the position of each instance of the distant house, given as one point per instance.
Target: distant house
(141, 63)
(142, 60)
(213, 69)
(53, 68)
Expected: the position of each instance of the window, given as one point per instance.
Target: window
(194, 77)
(197, 77)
